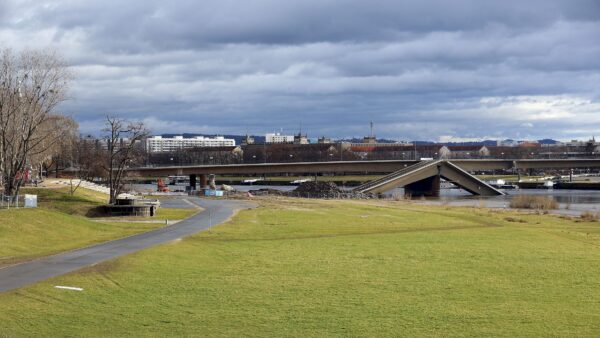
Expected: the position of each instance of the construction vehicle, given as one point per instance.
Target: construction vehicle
(161, 186)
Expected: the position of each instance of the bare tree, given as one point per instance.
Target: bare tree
(125, 148)
(58, 148)
(32, 85)
(89, 158)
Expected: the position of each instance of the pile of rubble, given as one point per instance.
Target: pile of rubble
(317, 188)
(311, 189)
(325, 190)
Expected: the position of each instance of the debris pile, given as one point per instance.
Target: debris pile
(319, 187)
(266, 191)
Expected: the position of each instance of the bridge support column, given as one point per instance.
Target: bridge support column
(203, 181)
(429, 187)
(192, 182)
(570, 175)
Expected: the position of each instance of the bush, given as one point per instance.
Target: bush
(534, 202)
(590, 216)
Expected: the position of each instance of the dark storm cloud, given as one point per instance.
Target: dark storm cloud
(426, 69)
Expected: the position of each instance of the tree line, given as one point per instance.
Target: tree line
(36, 137)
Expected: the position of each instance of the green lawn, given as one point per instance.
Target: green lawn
(60, 224)
(330, 268)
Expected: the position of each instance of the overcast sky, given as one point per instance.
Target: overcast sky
(427, 69)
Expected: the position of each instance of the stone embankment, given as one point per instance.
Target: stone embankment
(84, 184)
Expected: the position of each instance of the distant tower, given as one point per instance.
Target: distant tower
(300, 139)
(371, 138)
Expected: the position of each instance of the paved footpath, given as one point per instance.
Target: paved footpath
(19, 275)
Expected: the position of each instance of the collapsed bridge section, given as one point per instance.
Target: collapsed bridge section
(424, 177)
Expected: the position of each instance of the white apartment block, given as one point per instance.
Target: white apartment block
(278, 138)
(156, 144)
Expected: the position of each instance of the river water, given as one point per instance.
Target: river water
(571, 202)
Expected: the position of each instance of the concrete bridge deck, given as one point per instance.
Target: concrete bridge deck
(424, 179)
(376, 166)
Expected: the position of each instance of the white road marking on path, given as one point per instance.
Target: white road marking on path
(68, 288)
(190, 203)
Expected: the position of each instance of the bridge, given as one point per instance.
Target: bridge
(449, 168)
(423, 179)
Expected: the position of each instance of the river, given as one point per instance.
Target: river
(571, 202)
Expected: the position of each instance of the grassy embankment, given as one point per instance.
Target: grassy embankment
(63, 222)
(332, 268)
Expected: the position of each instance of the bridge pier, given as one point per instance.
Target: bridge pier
(570, 175)
(203, 181)
(192, 182)
(429, 187)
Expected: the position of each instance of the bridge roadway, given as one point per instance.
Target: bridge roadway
(375, 166)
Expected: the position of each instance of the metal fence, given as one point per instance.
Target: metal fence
(8, 202)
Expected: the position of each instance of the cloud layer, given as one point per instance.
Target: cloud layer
(432, 70)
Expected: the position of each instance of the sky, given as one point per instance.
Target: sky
(435, 70)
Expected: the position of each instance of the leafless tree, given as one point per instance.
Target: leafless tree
(58, 148)
(124, 145)
(32, 85)
(89, 158)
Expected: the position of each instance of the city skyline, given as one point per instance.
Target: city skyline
(438, 71)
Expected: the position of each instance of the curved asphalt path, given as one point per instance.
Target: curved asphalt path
(215, 212)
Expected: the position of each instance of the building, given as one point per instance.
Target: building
(324, 140)
(198, 156)
(300, 139)
(164, 144)
(278, 138)
(369, 140)
(468, 152)
(247, 140)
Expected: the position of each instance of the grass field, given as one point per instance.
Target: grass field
(330, 268)
(60, 224)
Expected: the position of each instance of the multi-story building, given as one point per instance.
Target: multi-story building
(278, 138)
(161, 144)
